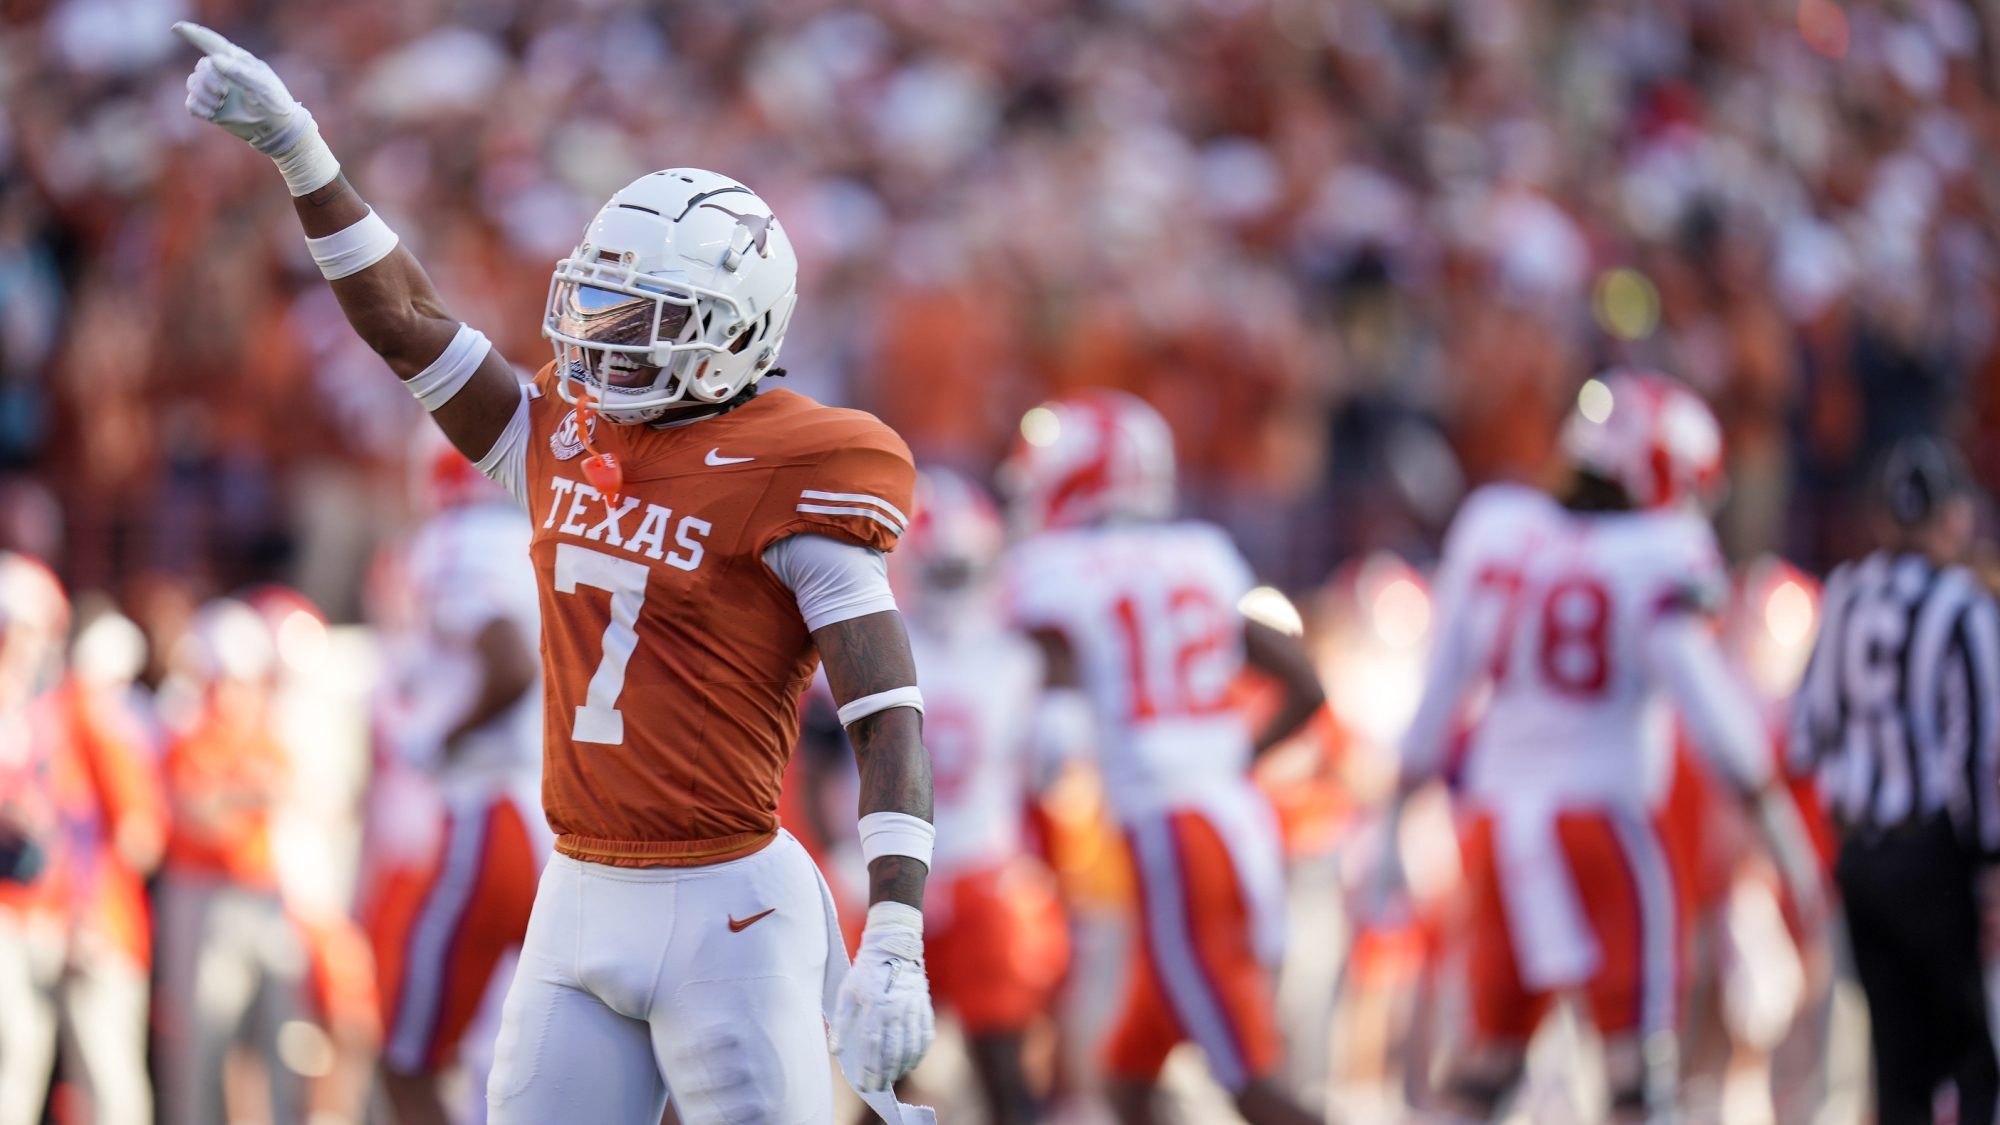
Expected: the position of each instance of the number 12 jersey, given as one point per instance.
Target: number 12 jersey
(1149, 611)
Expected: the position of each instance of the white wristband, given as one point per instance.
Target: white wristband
(307, 165)
(895, 833)
(895, 916)
(449, 372)
(856, 709)
(353, 248)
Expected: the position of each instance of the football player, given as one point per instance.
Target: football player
(1142, 638)
(698, 547)
(467, 714)
(996, 941)
(230, 962)
(34, 867)
(1584, 613)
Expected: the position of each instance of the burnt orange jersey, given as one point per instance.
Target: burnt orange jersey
(673, 658)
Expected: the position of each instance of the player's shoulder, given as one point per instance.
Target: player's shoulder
(790, 426)
(840, 472)
(1497, 513)
(1667, 556)
(1049, 575)
(1204, 543)
(1195, 533)
(1666, 537)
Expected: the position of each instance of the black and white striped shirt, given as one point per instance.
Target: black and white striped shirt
(1900, 708)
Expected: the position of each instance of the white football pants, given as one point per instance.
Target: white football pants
(700, 983)
(31, 966)
(232, 969)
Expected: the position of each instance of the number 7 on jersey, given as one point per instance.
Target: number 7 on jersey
(599, 719)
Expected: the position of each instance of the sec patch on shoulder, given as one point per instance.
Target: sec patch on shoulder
(569, 437)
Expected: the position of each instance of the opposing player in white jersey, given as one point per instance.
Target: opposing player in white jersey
(995, 941)
(447, 913)
(1584, 616)
(1138, 621)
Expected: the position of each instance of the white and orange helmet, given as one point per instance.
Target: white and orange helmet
(1648, 434)
(1096, 456)
(679, 295)
(955, 535)
(226, 641)
(442, 478)
(34, 616)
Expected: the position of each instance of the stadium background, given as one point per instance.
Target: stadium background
(1360, 254)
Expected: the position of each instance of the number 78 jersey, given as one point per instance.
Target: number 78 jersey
(1557, 612)
(1149, 611)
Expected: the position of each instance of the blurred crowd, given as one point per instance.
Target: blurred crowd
(1359, 253)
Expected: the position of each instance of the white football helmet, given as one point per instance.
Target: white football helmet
(679, 295)
(226, 640)
(1096, 456)
(955, 537)
(1650, 435)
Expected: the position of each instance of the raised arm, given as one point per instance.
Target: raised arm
(388, 299)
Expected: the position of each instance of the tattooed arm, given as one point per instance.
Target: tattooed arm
(864, 656)
(882, 1020)
(396, 311)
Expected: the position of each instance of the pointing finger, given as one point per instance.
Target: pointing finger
(208, 41)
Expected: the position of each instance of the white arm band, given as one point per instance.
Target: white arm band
(855, 710)
(895, 833)
(435, 385)
(353, 248)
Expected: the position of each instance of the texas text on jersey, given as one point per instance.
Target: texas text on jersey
(675, 658)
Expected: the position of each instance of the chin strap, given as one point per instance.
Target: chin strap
(605, 473)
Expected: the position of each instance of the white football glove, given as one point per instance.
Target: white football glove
(882, 1022)
(240, 92)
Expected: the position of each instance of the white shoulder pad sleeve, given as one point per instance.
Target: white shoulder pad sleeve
(506, 464)
(833, 581)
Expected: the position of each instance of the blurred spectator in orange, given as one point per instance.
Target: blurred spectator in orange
(232, 965)
(114, 815)
(34, 614)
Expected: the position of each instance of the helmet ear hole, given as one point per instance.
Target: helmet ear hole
(750, 335)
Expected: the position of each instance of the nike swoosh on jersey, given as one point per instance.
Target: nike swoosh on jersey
(714, 458)
(738, 925)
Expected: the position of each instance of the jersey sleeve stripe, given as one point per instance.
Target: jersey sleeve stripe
(858, 498)
(836, 510)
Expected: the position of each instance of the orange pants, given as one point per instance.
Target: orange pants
(1196, 975)
(440, 929)
(1627, 897)
(998, 946)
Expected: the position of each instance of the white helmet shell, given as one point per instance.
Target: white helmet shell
(679, 294)
(1091, 457)
(1649, 434)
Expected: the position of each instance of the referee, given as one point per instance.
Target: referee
(1900, 714)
